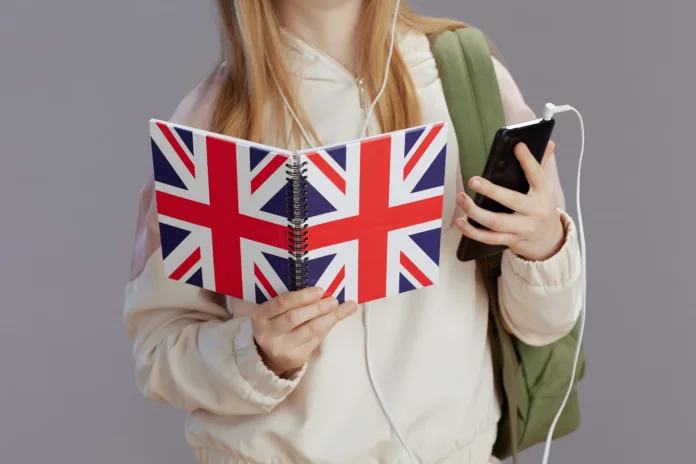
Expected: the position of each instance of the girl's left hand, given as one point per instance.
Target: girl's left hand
(534, 230)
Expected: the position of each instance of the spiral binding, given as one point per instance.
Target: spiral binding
(297, 215)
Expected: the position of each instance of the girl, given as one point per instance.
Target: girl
(286, 381)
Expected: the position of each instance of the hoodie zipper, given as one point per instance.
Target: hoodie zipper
(359, 83)
(362, 94)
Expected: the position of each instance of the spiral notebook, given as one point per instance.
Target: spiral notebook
(362, 219)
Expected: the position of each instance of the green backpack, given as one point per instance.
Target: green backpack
(532, 381)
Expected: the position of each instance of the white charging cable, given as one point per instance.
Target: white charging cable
(549, 110)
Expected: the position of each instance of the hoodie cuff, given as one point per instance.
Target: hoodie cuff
(558, 270)
(243, 363)
(252, 368)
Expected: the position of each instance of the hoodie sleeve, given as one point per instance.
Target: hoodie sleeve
(539, 301)
(189, 351)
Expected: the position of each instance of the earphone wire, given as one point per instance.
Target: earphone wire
(368, 117)
(386, 71)
(373, 382)
(306, 136)
(583, 283)
(366, 307)
(583, 253)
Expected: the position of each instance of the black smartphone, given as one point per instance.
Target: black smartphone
(502, 168)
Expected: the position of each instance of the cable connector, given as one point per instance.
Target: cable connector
(550, 109)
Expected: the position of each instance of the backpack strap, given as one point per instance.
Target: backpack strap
(505, 363)
(470, 85)
(471, 89)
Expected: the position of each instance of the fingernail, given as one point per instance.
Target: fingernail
(475, 183)
(319, 291)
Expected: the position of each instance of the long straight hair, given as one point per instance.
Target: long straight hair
(253, 61)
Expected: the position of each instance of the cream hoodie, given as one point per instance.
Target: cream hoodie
(429, 348)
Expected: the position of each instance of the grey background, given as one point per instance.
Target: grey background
(79, 80)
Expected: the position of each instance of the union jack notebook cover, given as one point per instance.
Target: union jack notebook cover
(362, 220)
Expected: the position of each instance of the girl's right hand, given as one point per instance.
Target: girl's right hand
(288, 328)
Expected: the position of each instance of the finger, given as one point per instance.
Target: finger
(290, 300)
(296, 317)
(317, 328)
(515, 224)
(481, 235)
(532, 169)
(516, 201)
(550, 148)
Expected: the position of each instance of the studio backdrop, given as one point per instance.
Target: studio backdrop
(79, 80)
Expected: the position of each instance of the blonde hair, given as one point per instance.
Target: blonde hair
(252, 52)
